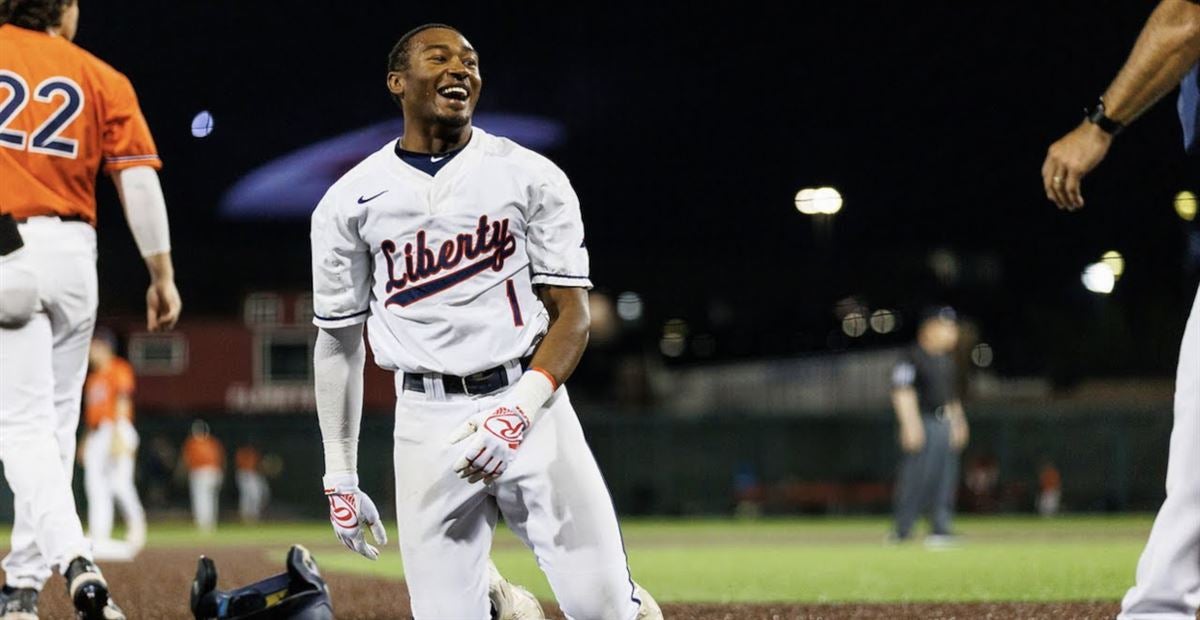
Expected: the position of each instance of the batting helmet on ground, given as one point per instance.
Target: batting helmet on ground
(298, 594)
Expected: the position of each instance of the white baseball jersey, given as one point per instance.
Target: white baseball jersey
(442, 267)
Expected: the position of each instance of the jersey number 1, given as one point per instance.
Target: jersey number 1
(46, 138)
(512, 302)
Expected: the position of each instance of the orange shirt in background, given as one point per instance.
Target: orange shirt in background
(102, 390)
(1049, 478)
(73, 112)
(247, 458)
(203, 451)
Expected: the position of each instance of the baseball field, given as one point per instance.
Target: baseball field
(1075, 567)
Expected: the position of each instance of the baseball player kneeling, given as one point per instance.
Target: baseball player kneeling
(463, 252)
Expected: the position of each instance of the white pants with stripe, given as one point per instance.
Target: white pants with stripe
(42, 368)
(1168, 574)
(552, 496)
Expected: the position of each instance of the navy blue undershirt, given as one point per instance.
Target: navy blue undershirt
(429, 163)
(1189, 110)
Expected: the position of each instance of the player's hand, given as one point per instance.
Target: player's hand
(162, 305)
(1069, 160)
(912, 438)
(491, 445)
(351, 512)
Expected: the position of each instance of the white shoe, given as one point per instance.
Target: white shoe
(649, 609)
(109, 550)
(511, 602)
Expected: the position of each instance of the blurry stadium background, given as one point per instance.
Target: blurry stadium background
(734, 313)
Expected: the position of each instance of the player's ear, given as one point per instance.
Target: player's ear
(395, 83)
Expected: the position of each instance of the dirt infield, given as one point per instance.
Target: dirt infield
(156, 587)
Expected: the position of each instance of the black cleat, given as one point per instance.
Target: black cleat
(18, 604)
(89, 592)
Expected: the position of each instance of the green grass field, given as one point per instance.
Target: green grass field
(797, 560)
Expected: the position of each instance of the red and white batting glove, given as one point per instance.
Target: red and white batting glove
(492, 442)
(493, 445)
(351, 512)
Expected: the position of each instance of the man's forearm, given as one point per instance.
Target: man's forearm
(160, 266)
(145, 210)
(1168, 46)
(338, 360)
(565, 341)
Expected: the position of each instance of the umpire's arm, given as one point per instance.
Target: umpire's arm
(1167, 48)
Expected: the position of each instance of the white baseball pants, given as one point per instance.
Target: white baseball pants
(108, 478)
(552, 496)
(252, 495)
(42, 368)
(205, 484)
(1168, 574)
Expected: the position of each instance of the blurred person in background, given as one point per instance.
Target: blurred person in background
(67, 115)
(1166, 55)
(1049, 490)
(109, 448)
(932, 427)
(204, 457)
(253, 491)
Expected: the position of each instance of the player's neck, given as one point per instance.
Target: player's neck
(434, 138)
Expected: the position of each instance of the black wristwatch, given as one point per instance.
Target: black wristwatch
(1097, 117)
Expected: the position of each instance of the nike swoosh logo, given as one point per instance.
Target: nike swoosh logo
(362, 200)
(437, 159)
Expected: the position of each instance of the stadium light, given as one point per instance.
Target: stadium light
(202, 124)
(629, 306)
(1185, 205)
(819, 201)
(1099, 278)
(1115, 261)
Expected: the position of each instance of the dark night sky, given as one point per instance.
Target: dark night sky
(689, 132)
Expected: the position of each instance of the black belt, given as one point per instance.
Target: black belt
(480, 383)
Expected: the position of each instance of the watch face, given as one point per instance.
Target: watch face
(1099, 118)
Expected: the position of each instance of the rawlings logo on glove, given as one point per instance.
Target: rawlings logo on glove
(341, 509)
(507, 424)
(352, 512)
(489, 454)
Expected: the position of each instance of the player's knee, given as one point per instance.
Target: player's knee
(599, 603)
(18, 295)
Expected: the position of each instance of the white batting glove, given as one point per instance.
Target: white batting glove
(349, 511)
(493, 441)
(493, 445)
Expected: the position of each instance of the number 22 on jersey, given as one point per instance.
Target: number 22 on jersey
(47, 140)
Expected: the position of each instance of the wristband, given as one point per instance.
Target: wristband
(1098, 117)
(531, 392)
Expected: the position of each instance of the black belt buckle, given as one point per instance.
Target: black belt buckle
(10, 236)
(485, 380)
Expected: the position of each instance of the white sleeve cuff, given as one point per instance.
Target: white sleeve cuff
(335, 322)
(563, 280)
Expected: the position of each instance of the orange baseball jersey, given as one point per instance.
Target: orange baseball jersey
(247, 458)
(62, 113)
(203, 451)
(102, 390)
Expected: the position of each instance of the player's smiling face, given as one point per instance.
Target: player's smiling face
(442, 82)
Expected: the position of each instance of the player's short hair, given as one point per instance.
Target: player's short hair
(37, 15)
(107, 336)
(398, 58)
